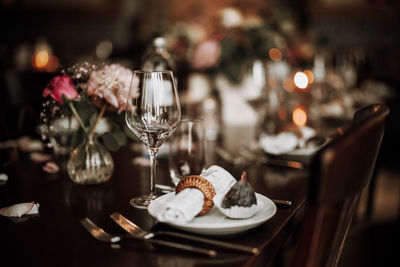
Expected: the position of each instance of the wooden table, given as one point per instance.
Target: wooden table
(56, 238)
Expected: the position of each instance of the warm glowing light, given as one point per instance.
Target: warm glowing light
(288, 84)
(310, 76)
(275, 54)
(53, 64)
(41, 59)
(301, 80)
(299, 117)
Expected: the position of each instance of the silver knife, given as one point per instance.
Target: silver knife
(135, 230)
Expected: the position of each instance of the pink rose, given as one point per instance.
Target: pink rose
(112, 84)
(58, 86)
(206, 54)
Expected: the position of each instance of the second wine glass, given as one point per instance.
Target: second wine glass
(152, 113)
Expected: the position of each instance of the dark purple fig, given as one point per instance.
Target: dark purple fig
(241, 194)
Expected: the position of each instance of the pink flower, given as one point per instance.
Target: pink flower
(206, 54)
(58, 86)
(112, 84)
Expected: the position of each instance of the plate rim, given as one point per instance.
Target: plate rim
(235, 225)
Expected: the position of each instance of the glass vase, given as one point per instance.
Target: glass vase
(90, 163)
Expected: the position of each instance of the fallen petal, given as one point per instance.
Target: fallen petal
(51, 167)
(20, 209)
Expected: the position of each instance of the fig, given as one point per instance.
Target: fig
(240, 194)
(239, 202)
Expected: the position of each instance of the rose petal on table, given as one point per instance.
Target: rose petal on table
(40, 157)
(17, 210)
(51, 167)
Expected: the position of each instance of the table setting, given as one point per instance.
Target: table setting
(171, 191)
(192, 214)
(154, 116)
(200, 199)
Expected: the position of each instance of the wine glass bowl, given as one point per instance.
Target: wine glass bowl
(152, 114)
(254, 83)
(255, 93)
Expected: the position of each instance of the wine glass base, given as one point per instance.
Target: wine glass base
(142, 202)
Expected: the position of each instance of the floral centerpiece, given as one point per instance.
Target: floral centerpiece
(93, 99)
(224, 46)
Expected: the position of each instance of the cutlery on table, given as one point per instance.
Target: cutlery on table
(278, 202)
(136, 231)
(101, 235)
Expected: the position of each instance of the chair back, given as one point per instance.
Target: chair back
(339, 173)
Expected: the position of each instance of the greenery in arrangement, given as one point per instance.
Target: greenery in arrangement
(94, 99)
(242, 45)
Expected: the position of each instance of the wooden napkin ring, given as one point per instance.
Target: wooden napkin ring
(195, 181)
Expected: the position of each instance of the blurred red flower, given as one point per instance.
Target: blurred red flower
(59, 86)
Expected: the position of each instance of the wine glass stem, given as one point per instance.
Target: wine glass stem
(153, 172)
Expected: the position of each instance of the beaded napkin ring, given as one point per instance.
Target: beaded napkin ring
(195, 181)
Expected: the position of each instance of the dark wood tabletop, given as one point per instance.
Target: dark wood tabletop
(56, 238)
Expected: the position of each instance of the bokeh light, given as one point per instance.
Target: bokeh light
(288, 84)
(275, 54)
(299, 117)
(310, 76)
(40, 59)
(301, 80)
(52, 64)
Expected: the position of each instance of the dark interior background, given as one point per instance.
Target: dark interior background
(74, 28)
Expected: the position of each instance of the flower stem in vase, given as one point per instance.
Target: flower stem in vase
(71, 105)
(103, 109)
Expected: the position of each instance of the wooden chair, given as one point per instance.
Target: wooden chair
(339, 173)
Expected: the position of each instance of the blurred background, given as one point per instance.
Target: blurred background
(349, 47)
(323, 59)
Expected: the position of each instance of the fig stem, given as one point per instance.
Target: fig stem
(243, 177)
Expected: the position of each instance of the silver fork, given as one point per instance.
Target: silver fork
(136, 231)
(101, 235)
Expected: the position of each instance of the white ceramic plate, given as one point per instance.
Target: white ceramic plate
(214, 222)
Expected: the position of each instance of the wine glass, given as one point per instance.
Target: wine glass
(152, 113)
(255, 93)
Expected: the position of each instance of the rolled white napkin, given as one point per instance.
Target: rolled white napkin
(185, 205)
(17, 210)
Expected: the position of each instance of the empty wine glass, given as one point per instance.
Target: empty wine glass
(255, 93)
(152, 113)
